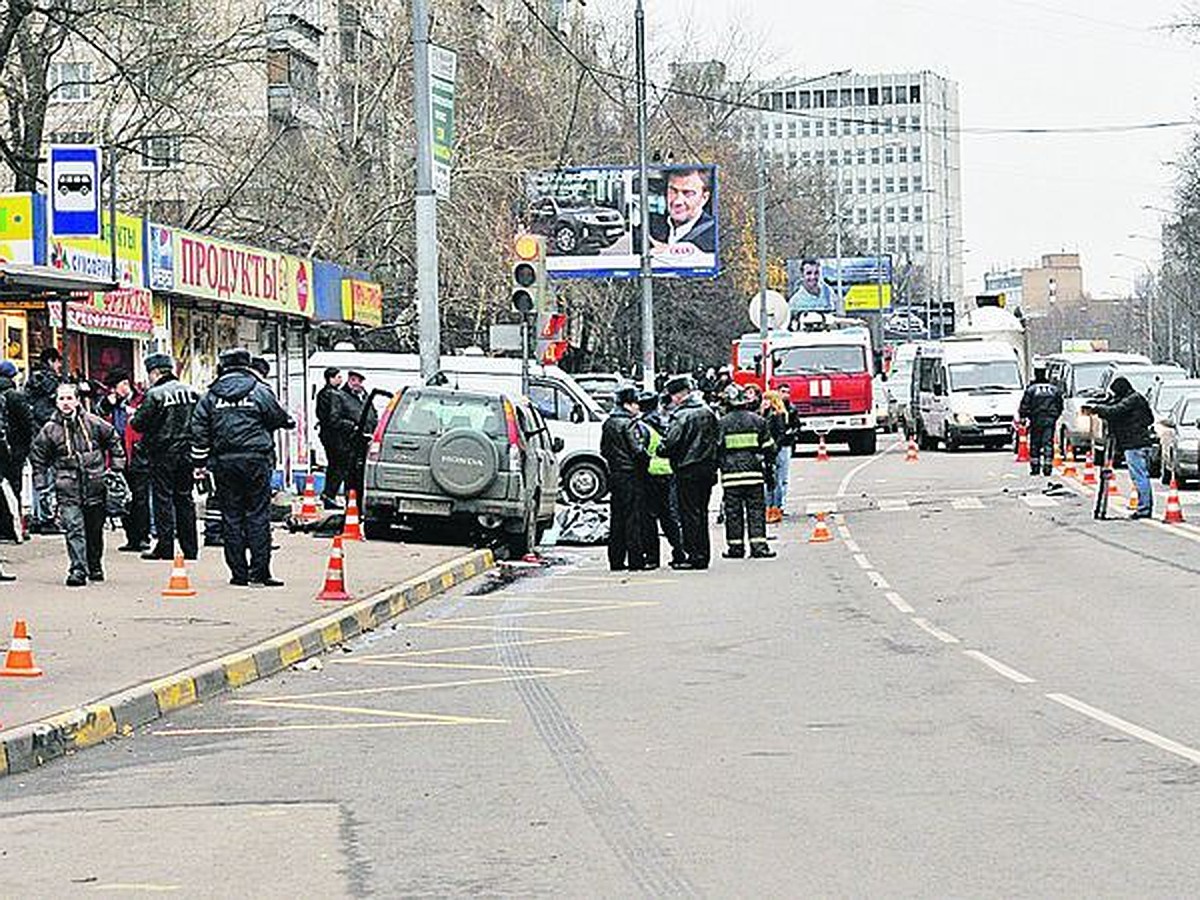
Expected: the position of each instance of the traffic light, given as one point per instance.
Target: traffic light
(529, 274)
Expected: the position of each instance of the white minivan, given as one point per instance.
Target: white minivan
(569, 411)
(966, 392)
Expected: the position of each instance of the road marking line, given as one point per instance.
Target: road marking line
(897, 601)
(467, 648)
(893, 505)
(324, 726)
(407, 688)
(1038, 501)
(878, 580)
(524, 629)
(967, 503)
(996, 666)
(944, 636)
(863, 562)
(852, 546)
(820, 506)
(359, 711)
(599, 607)
(844, 532)
(1137, 731)
(845, 485)
(598, 583)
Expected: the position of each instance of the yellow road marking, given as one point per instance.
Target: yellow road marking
(343, 726)
(408, 688)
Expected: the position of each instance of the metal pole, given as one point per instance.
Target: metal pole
(114, 276)
(763, 325)
(644, 203)
(429, 325)
(525, 354)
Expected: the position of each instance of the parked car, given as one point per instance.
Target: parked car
(483, 460)
(574, 227)
(1163, 397)
(1078, 375)
(600, 386)
(1181, 441)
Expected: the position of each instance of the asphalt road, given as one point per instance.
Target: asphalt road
(973, 690)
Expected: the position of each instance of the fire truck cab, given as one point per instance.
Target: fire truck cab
(828, 364)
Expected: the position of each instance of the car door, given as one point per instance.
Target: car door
(548, 462)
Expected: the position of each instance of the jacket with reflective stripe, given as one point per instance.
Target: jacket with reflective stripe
(660, 466)
(747, 449)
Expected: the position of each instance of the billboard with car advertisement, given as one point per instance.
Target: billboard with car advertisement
(591, 219)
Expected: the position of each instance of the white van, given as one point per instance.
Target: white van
(569, 411)
(898, 384)
(966, 392)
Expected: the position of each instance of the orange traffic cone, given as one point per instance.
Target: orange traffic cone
(1022, 444)
(1089, 470)
(352, 530)
(1058, 460)
(1132, 503)
(335, 580)
(911, 454)
(1174, 514)
(821, 533)
(1113, 490)
(308, 508)
(18, 662)
(822, 450)
(1069, 470)
(179, 585)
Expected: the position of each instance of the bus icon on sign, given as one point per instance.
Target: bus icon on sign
(74, 183)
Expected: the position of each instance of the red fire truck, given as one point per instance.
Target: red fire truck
(827, 362)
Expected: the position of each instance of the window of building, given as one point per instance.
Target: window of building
(846, 128)
(918, 214)
(874, 185)
(886, 94)
(779, 130)
(776, 100)
(875, 155)
(860, 127)
(833, 157)
(806, 128)
(844, 97)
(901, 93)
(889, 185)
(804, 100)
(919, 243)
(861, 154)
(914, 93)
(861, 215)
(916, 153)
(872, 96)
(847, 185)
(818, 98)
(888, 126)
(889, 215)
(806, 157)
(889, 155)
(819, 128)
(889, 244)
(69, 82)
(914, 123)
(789, 100)
(904, 214)
(791, 157)
(862, 185)
(904, 243)
(831, 97)
(791, 129)
(860, 97)
(764, 101)
(874, 126)
(916, 182)
(160, 151)
(900, 124)
(819, 157)
(904, 184)
(902, 154)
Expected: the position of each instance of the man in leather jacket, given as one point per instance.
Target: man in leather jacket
(623, 449)
(692, 442)
(1129, 418)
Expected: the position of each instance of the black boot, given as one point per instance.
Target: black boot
(734, 552)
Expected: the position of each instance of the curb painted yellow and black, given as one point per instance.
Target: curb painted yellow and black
(36, 743)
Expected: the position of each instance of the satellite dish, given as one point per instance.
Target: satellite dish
(777, 310)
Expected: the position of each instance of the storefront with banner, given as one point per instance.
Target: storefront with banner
(223, 295)
(24, 324)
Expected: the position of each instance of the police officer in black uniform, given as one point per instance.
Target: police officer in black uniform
(623, 449)
(660, 507)
(353, 404)
(1041, 405)
(747, 462)
(232, 433)
(692, 443)
(163, 419)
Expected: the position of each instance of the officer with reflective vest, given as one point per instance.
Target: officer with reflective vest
(661, 505)
(747, 462)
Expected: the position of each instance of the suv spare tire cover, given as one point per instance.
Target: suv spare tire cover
(463, 462)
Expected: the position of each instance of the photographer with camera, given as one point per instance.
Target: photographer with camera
(1129, 419)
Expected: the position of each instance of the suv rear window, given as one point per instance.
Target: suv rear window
(425, 413)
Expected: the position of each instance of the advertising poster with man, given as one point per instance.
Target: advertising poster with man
(591, 220)
(864, 286)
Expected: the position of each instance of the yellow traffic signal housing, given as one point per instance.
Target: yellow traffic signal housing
(528, 274)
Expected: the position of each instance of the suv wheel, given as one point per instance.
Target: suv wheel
(565, 240)
(584, 481)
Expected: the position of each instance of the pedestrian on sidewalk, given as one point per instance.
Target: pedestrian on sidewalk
(19, 435)
(328, 414)
(70, 456)
(41, 391)
(118, 407)
(776, 409)
(692, 443)
(746, 460)
(356, 419)
(233, 435)
(1041, 405)
(660, 510)
(624, 452)
(1129, 419)
(164, 419)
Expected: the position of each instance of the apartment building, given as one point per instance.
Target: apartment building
(1056, 281)
(890, 144)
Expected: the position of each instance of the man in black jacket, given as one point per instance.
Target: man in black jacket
(351, 406)
(163, 419)
(623, 450)
(692, 442)
(41, 390)
(747, 462)
(661, 502)
(232, 433)
(1041, 405)
(70, 456)
(19, 435)
(117, 408)
(328, 412)
(1129, 418)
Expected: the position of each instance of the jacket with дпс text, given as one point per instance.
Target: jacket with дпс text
(236, 419)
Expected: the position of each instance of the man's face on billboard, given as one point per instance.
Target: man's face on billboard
(686, 196)
(811, 274)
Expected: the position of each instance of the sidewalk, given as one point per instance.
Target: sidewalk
(105, 638)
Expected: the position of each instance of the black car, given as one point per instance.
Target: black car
(574, 227)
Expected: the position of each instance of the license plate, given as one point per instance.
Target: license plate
(821, 424)
(997, 429)
(423, 507)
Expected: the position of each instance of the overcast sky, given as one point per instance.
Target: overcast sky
(1018, 63)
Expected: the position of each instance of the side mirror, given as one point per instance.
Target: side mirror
(577, 413)
(557, 444)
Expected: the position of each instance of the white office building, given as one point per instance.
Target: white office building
(890, 143)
